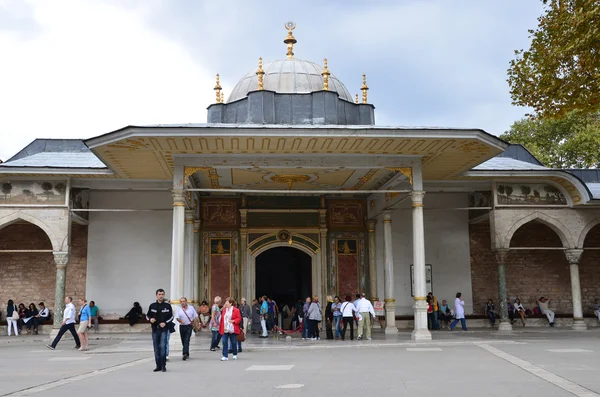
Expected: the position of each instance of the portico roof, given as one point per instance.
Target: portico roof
(336, 157)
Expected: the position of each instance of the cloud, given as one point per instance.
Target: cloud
(84, 68)
(94, 68)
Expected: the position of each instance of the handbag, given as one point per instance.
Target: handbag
(194, 323)
(241, 336)
(15, 314)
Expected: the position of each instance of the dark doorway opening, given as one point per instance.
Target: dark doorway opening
(285, 274)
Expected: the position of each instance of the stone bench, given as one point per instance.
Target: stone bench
(561, 320)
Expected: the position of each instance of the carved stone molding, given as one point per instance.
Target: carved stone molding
(573, 256)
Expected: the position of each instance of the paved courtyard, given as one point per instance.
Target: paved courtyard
(475, 363)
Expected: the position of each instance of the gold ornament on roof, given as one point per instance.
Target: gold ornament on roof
(222, 97)
(356, 98)
(290, 40)
(364, 89)
(218, 89)
(325, 73)
(260, 73)
(290, 179)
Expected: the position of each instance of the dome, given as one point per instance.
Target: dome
(289, 76)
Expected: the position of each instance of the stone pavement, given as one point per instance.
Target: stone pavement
(480, 362)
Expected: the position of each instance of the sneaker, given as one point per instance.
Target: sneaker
(235, 357)
(185, 357)
(167, 358)
(164, 369)
(156, 369)
(77, 347)
(224, 359)
(50, 347)
(212, 349)
(359, 338)
(368, 338)
(303, 338)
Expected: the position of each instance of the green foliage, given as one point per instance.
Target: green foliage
(560, 72)
(570, 142)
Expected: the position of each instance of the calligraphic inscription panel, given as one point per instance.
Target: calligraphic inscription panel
(346, 214)
(221, 213)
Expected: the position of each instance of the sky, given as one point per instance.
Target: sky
(81, 68)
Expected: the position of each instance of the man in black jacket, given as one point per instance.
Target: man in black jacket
(160, 314)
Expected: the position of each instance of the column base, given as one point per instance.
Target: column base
(420, 335)
(579, 325)
(505, 326)
(390, 330)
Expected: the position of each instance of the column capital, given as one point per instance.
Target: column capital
(387, 216)
(189, 216)
(501, 255)
(371, 224)
(573, 256)
(417, 197)
(197, 225)
(178, 199)
(61, 259)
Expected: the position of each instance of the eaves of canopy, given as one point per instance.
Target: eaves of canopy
(576, 190)
(275, 156)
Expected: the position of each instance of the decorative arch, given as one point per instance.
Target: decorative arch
(561, 230)
(586, 230)
(315, 263)
(22, 216)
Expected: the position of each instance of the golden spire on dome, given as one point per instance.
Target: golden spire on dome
(218, 89)
(222, 97)
(356, 98)
(364, 89)
(290, 40)
(325, 73)
(260, 73)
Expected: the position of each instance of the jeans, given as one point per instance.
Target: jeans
(305, 327)
(216, 338)
(168, 340)
(263, 325)
(95, 322)
(227, 338)
(336, 324)
(186, 333)
(159, 340)
(492, 317)
(463, 323)
(348, 320)
(61, 332)
(436, 324)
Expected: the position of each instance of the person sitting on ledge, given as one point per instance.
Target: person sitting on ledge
(445, 314)
(597, 309)
(490, 312)
(135, 314)
(543, 303)
(520, 310)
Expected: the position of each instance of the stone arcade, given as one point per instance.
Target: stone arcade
(292, 189)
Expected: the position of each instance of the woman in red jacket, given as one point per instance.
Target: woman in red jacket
(229, 328)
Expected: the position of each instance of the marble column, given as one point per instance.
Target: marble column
(501, 257)
(574, 257)
(388, 258)
(420, 331)
(372, 260)
(196, 264)
(245, 273)
(188, 255)
(61, 259)
(177, 261)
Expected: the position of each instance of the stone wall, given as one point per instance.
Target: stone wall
(532, 273)
(30, 277)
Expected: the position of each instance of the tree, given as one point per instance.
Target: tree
(61, 188)
(6, 189)
(560, 72)
(570, 142)
(47, 188)
(525, 190)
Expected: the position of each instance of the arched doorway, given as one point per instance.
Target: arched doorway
(284, 273)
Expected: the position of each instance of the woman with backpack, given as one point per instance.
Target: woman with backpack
(12, 317)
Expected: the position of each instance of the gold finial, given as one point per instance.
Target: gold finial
(356, 100)
(364, 89)
(218, 89)
(290, 40)
(260, 73)
(222, 97)
(325, 73)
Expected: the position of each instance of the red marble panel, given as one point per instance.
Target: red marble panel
(220, 276)
(347, 275)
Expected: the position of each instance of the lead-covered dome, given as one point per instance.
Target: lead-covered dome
(289, 76)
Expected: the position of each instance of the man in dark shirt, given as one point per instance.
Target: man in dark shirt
(160, 314)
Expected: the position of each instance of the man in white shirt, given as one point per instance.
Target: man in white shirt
(185, 316)
(365, 308)
(543, 304)
(68, 323)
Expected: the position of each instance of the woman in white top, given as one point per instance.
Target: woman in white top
(348, 316)
(520, 310)
(459, 309)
